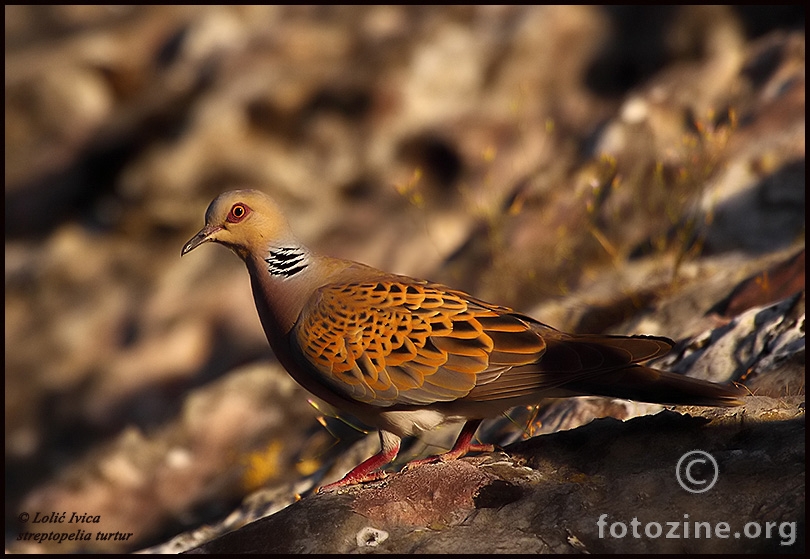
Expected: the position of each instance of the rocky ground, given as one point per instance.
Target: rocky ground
(617, 170)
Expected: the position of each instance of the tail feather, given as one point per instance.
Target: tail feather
(645, 384)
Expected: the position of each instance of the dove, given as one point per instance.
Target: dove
(405, 355)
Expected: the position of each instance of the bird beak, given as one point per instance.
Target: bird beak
(203, 236)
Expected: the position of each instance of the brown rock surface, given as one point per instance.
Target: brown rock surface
(550, 493)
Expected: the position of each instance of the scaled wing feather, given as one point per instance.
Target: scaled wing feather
(398, 342)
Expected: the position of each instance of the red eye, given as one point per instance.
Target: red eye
(238, 213)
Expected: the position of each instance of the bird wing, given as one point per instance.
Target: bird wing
(408, 342)
(399, 342)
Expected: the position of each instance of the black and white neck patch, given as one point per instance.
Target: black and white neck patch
(286, 261)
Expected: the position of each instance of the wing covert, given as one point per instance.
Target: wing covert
(397, 342)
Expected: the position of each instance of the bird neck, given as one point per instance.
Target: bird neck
(284, 262)
(279, 278)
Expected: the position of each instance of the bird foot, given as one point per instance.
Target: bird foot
(369, 470)
(448, 456)
(350, 479)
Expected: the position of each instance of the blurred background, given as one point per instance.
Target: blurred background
(554, 159)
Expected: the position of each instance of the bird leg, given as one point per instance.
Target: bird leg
(367, 470)
(463, 445)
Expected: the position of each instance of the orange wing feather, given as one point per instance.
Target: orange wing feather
(392, 342)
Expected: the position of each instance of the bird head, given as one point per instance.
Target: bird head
(246, 221)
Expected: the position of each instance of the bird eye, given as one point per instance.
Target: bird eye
(238, 213)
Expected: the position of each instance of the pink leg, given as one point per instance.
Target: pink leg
(366, 470)
(463, 445)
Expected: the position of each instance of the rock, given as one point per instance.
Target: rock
(607, 487)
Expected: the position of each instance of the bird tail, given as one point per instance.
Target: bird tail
(645, 384)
